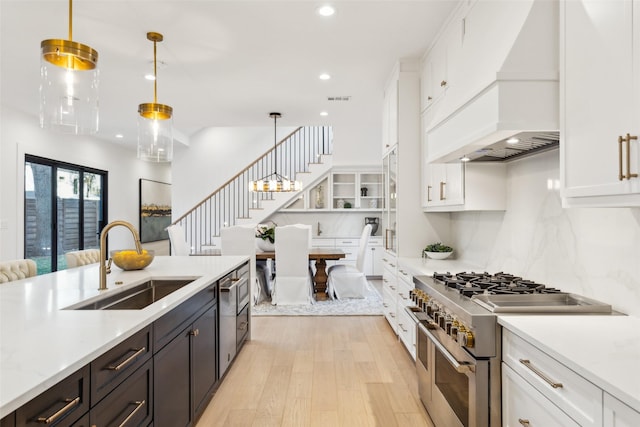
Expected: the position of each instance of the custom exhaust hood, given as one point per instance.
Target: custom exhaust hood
(517, 98)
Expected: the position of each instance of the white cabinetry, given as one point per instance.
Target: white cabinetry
(390, 116)
(375, 252)
(406, 323)
(601, 102)
(471, 186)
(617, 414)
(350, 246)
(390, 291)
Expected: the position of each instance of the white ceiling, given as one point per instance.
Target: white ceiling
(228, 63)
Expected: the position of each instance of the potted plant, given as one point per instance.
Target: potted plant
(438, 251)
(266, 236)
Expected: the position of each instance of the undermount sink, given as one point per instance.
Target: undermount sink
(136, 297)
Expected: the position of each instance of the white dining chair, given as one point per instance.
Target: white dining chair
(241, 240)
(179, 245)
(293, 284)
(350, 281)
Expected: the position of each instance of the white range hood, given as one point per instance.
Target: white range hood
(520, 99)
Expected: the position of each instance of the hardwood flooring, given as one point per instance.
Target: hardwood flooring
(319, 371)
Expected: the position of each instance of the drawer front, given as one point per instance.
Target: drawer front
(169, 325)
(323, 243)
(83, 422)
(110, 369)
(405, 277)
(61, 405)
(9, 420)
(130, 404)
(523, 405)
(242, 326)
(618, 414)
(375, 241)
(407, 331)
(403, 289)
(389, 308)
(579, 398)
(341, 243)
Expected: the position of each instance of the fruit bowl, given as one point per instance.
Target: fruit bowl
(438, 255)
(130, 259)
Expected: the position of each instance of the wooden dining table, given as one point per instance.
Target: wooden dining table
(320, 256)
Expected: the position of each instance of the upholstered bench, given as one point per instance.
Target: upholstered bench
(17, 269)
(82, 257)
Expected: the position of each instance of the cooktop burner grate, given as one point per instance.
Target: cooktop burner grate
(472, 283)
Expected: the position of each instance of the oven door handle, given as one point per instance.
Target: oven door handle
(460, 367)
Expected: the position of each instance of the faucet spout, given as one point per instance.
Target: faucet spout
(105, 266)
(319, 231)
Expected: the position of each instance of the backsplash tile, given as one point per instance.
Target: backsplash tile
(589, 251)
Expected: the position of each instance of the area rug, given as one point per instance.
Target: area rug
(370, 305)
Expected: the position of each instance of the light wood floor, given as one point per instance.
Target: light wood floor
(319, 371)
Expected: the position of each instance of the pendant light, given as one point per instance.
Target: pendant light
(155, 123)
(68, 85)
(274, 182)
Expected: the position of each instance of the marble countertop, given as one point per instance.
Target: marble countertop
(426, 266)
(42, 343)
(603, 349)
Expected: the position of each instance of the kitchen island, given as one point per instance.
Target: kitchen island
(42, 342)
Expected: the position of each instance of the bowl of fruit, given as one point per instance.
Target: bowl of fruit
(130, 259)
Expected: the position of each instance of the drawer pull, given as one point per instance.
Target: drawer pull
(523, 422)
(403, 329)
(138, 352)
(546, 379)
(140, 404)
(195, 332)
(70, 403)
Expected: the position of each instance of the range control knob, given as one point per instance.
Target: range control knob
(467, 339)
(448, 321)
(454, 330)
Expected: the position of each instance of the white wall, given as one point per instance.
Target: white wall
(592, 252)
(20, 134)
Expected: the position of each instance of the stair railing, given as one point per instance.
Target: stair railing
(233, 200)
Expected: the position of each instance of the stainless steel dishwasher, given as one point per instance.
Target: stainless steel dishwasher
(228, 311)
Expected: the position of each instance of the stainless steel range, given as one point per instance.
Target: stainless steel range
(459, 339)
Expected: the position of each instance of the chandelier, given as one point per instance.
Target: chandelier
(155, 123)
(68, 85)
(275, 182)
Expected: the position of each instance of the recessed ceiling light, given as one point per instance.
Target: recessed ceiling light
(324, 113)
(149, 77)
(464, 159)
(326, 10)
(324, 76)
(119, 135)
(513, 140)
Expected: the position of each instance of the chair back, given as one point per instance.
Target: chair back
(17, 269)
(292, 250)
(362, 248)
(238, 240)
(179, 245)
(82, 257)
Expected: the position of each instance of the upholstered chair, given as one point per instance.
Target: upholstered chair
(17, 269)
(349, 281)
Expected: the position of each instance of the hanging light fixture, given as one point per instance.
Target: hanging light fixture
(68, 85)
(274, 182)
(155, 123)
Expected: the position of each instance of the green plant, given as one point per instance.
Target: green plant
(347, 205)
(438, 247)
(267, 232)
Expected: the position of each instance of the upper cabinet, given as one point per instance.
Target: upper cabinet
(390, 116)
(600, 158)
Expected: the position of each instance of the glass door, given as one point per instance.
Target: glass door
(64, 210)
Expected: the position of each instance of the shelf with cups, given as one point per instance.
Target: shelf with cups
(342, 191)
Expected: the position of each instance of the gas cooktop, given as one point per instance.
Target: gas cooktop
(472, 283)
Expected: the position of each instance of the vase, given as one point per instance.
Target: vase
(319, 198)
(374, 223)
(265, 245)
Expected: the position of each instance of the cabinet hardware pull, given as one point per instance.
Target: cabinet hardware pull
(392, 315)
(140, 404)
(70, 403)
(195, 332)
(527, 363)
(400, 326)
(138, 352)
(523, 421)
(442, 196)
(428, 193)
(443, 83)
(429, 98)
(629, 174)
(620, 175)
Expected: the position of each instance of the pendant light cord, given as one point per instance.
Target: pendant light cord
(275, 146)
(70, 20)
(155, 74)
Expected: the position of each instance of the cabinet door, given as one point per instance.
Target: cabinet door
(373, 264)
(600, 97)
(204, 351)
(9, 420)
(171, 386)
(523, 405)
(445, 186)
(617, 414)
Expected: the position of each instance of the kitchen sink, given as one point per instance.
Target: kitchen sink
(541, 303)
(136, 297)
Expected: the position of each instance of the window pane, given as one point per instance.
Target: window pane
(38, 216)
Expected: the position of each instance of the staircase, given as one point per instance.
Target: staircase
(304, 155)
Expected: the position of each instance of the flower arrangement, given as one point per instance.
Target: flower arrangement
(267, 232)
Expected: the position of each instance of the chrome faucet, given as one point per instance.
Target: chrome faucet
(319, 231)
(105, 266)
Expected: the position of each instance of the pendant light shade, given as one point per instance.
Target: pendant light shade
(155, 121)
(68, 85)
(275, 183)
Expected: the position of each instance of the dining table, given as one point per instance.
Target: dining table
(320, 256)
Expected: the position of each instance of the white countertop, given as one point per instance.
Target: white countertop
(427, 266)
(41, 343)
(603, 349)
